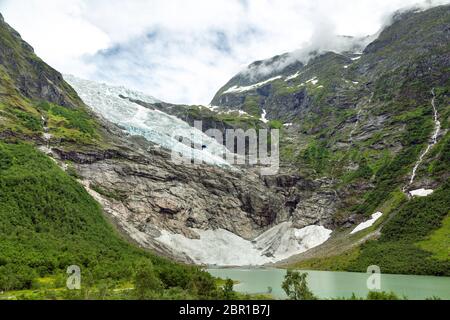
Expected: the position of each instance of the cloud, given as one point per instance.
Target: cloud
(184, 51)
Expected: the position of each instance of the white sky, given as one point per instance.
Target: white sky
(183, 51)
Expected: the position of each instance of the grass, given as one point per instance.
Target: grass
(112, 194)
(74, 125)
(397, 250)
(438, 243)
(251, 105)
(331, 263)
(49, 222)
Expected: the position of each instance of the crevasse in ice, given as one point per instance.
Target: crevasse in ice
(116, 105)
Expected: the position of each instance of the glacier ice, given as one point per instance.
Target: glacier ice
(214, 247)
(116, 105)
(222, 248)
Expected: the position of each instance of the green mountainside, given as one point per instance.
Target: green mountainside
(363, 120)
(358, 120)
(48, 221)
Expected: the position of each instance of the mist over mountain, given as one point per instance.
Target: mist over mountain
(363, 175)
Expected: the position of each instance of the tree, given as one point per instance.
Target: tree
(228, 292)
(204, 285)
(147, 285)
(296, 286)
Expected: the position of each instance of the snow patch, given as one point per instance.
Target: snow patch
(292, 77)
(251, 87)
(356, 58)
(314, 81)
(368, 223)
(421, 192)
(223, 248)
(212, 108)
(240, 112)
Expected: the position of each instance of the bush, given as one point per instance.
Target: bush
(49, 222)
(146, 283)
(228, 292)
(296, 286)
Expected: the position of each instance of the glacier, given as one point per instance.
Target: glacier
(213, 247)
(116, 104)
(222, 248)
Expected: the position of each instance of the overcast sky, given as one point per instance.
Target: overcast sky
(183, 51)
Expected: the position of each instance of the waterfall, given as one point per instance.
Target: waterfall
(433, 141)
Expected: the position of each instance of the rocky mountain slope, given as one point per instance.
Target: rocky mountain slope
(48, 221)
(151, 199)
(373, 122)
(355, 126)
(157, 201)
(349, 113)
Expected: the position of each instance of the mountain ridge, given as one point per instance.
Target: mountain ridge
(352, 129)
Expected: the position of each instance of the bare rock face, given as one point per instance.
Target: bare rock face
(315, 209)
(144, 192)
(32, 77)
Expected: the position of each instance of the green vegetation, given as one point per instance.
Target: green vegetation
(296, 286)
(376, 296)
(388, 176)
(438, 242)
(147, 285)
(251, 106)
(440, 165)
(228, 291)
(317, 156)
(409, 244)
(281, 88)
(363, 172)
(414, 240)
(275, 124)
(73, 125)
(49, 222)
(112, 194)
(387, 179)
(228, 119)
(331, 263)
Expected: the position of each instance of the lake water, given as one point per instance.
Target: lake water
(326, 284)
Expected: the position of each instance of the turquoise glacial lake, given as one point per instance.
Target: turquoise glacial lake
(327, 285)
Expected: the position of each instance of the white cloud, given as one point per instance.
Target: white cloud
(182, 51)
